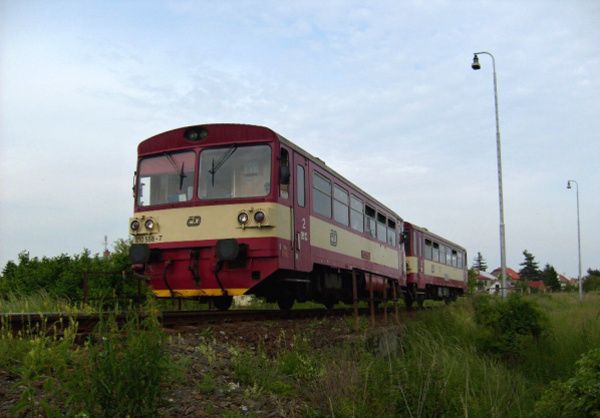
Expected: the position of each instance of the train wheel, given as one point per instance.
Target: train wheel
(285, 301)
(420, 300)
(223, 303)
(329, 302)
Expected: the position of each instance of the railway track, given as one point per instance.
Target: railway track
(49, 321)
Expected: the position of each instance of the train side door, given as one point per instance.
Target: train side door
(419, 240)
(302, 257)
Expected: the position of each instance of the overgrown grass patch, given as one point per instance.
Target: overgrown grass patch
(40, 301)
(118, 372)
(447, 362)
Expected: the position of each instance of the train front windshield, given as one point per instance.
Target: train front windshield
(167, 178)
(235, 172)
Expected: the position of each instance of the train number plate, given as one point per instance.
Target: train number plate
(145, 239)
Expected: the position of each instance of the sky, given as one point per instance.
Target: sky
(382, 91)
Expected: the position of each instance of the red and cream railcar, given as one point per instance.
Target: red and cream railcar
(224, 210)
(436, 268)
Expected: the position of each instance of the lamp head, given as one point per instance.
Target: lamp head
(569, 184)
(475, 65)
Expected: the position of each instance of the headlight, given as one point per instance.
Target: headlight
(149, 224)
(134, 225)
(243, 218)
(259, 216)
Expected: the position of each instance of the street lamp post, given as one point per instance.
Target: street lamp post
(476, 66)
(569, 182)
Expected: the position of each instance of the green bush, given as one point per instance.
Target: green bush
(578, 396)
(508, 327)
(592, 282)
(63, 276)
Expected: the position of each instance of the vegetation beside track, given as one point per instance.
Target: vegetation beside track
(533, 356)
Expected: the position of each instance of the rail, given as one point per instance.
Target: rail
(46, 321)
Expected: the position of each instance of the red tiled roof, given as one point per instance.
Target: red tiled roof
(564, 279)
(510, 273)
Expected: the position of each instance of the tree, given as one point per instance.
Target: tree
(479, 263)
(550, 278)
(473, 284)
(530, 270)
(592, 281)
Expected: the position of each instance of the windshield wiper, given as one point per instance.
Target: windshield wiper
(182, 175)
(216, 166)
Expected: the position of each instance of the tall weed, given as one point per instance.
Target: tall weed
(117, 372)
(121, 371)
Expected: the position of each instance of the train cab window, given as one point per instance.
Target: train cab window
(235, 172)
(381, 228)
(168, 178)
(356, 214)
(408, 239)
(370, 224)
(284, 173)
(428, 249)
(436, 252)
(340, 205)
(300, 191)
(391, 233)
(321, 195)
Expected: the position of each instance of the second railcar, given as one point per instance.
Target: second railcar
(436, 268)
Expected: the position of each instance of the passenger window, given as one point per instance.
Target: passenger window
(370, 224)
(381, 229)
(428, 249)
(356, 214)
(436, 252)
(340, 205)
(321, 195)
(300, 193)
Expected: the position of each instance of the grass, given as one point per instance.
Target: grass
(117, 372)
(435, 365)
(439, 368)
(42, 302)
(574, 329)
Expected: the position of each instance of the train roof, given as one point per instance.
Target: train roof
(432, 235)
(174, 139)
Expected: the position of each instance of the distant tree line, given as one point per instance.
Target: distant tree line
(530, 271)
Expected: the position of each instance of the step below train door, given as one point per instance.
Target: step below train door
(302, 256)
